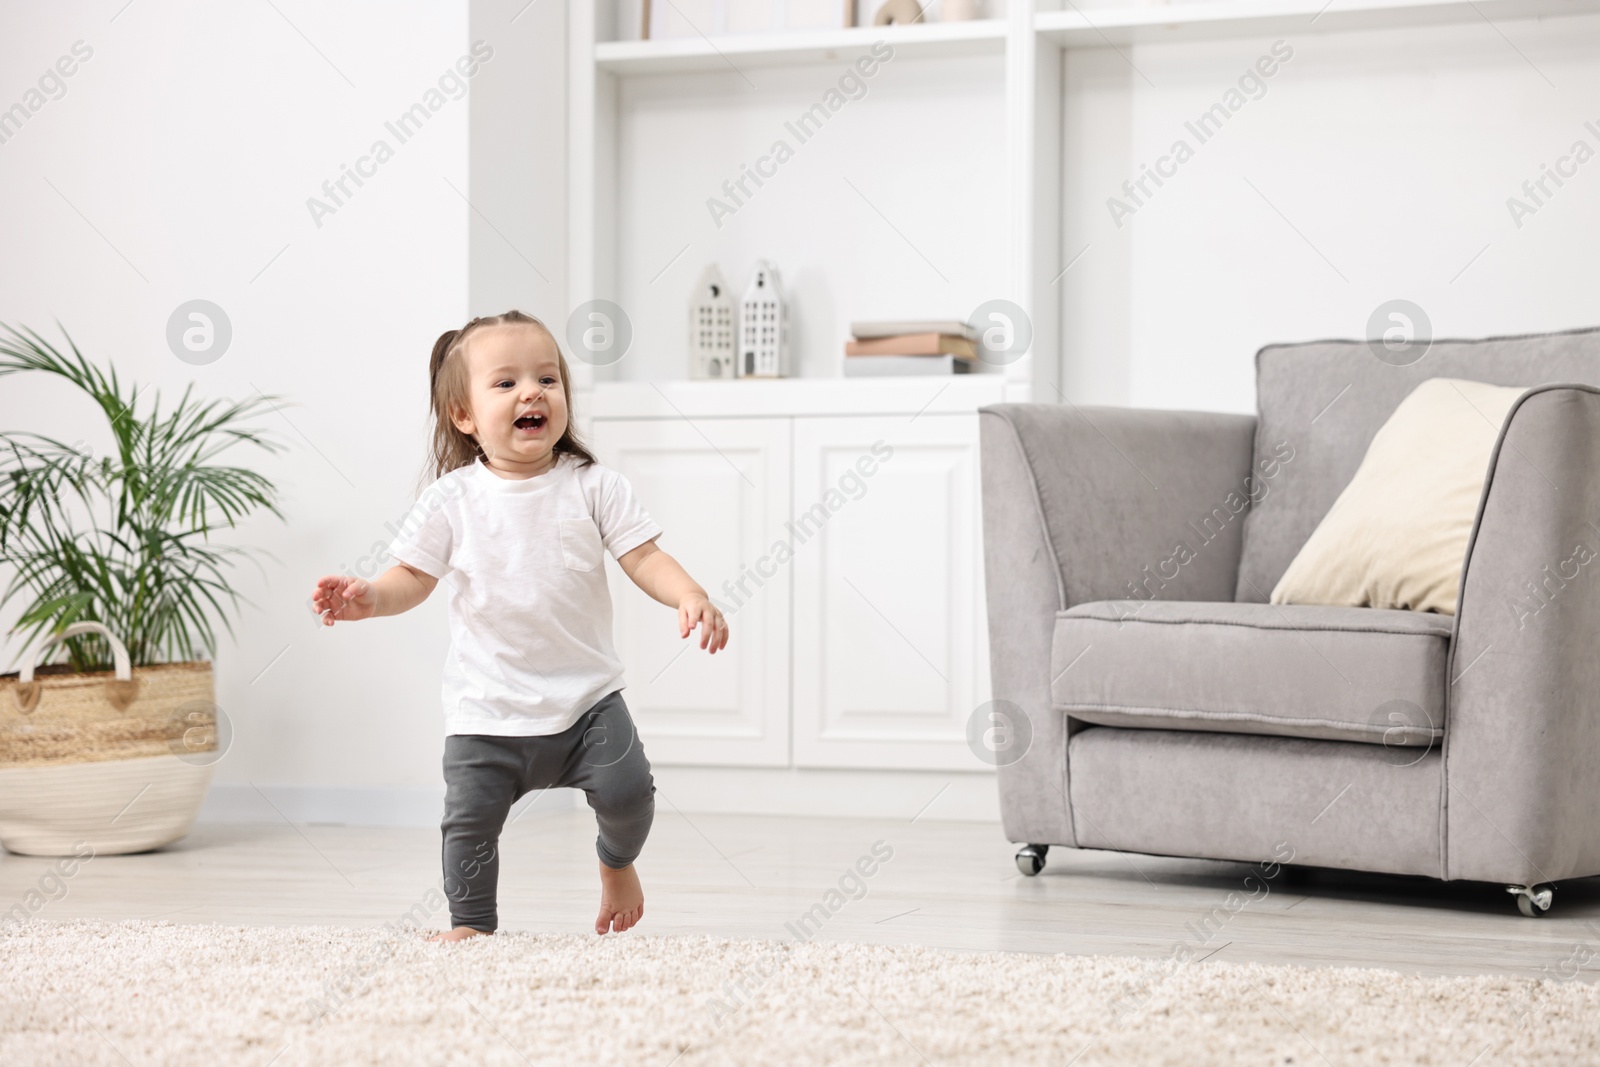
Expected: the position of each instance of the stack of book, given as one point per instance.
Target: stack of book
(927, 346)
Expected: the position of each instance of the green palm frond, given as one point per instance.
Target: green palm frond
(144, 566)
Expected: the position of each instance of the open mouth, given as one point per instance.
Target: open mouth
(533, 423)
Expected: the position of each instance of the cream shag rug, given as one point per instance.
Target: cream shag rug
(89, 992)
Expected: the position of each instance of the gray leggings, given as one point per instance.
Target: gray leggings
(484, 775)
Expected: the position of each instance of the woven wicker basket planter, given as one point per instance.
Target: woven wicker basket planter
(115, 759)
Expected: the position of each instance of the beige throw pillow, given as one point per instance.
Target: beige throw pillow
(1397, 535)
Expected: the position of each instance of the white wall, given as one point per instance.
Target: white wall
(517, 244)
(177, 165)
(1392, 153)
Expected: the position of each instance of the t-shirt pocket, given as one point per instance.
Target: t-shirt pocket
(580, 544)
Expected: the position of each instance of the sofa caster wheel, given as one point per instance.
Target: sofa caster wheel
(1030, 859)
(1533, 901)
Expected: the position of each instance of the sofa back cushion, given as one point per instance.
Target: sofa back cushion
(1321, 403)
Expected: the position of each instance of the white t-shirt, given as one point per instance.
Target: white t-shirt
(530, 612)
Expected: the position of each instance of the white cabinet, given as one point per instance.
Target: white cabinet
(890, 642)
(845, 550)
(720, 497)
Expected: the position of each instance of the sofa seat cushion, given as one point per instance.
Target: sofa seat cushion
(1291, 670)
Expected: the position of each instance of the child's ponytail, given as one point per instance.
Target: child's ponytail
(451, 449)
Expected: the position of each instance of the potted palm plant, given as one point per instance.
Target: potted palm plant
(111, 555)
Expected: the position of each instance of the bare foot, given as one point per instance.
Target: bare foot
(621, 899)
(460, 933)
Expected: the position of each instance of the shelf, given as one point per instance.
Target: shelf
(909, 396)
(1075, 27)
(1097, 27)
(1022, 137)
(737, 52)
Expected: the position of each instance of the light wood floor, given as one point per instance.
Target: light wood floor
(948, 885)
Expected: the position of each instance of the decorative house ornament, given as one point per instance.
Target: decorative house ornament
(764, 326)
(711, 332)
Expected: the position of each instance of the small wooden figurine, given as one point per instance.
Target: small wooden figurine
(898, 11)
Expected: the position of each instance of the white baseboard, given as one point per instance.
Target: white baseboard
(962, 796)
(938, 795)
(231, 802)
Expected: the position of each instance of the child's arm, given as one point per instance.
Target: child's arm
(400, 588)
(661, 576)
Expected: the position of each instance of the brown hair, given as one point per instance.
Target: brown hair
(447, 388)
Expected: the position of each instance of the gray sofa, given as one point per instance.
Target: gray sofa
(1165, 707)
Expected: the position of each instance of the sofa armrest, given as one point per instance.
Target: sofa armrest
(1084, 504)
(1522, 738)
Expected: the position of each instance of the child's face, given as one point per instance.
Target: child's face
(518, 407)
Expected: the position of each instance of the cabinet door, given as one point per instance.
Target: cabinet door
(720, 490)
(890, 644)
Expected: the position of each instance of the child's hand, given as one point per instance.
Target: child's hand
(695, 610)
(344, 598)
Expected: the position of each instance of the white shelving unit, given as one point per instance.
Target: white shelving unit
(951, 243)
(859, 660)
(616, 81)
